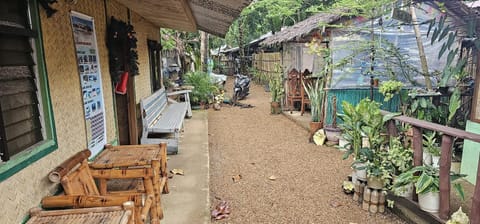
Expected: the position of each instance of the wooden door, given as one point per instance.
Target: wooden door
(126, 115)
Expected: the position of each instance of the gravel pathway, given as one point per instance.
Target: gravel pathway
(256, 145)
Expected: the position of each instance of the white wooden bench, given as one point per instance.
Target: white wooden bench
(163, 118)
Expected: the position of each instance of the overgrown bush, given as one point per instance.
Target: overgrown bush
(204, 87)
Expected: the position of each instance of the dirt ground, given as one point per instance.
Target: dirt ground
(256, 145)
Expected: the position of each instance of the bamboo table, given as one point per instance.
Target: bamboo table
(152, 158)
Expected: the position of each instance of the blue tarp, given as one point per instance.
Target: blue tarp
(355, 73)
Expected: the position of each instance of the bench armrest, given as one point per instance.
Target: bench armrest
(179, 92)
(187, 99)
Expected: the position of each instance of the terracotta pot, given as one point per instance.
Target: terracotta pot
(314, 127)
(275, 108)
(375, 182)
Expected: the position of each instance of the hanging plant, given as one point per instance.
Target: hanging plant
(122, 45)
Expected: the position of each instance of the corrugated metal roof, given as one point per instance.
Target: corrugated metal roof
(301, 28)
(212, 16)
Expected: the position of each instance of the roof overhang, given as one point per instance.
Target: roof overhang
(212, 16)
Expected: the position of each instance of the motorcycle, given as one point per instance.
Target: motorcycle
(241, 87)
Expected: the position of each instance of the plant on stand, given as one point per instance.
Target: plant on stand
(316, 94)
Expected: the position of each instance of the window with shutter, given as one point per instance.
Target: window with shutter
(154, 50)
(24, 103)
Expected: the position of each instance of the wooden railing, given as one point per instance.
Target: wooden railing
(448, 136)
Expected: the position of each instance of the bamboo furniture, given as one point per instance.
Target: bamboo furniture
(117, 161)
(106, 215)
(81, 191)
(294, 84)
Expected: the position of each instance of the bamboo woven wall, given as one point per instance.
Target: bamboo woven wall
(26, 188)
(266, 62)
(145, 30)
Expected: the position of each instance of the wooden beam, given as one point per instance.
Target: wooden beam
(188, 13)
(445, 163)
(437, 127)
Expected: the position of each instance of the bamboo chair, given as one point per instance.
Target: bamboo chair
(123, 214)
(294, 83)
(81, 191)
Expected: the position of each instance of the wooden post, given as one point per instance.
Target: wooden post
(417, 152)
(392, 128)
(474, 214)
(445, 163)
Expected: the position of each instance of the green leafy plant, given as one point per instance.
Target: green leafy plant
(427, 180)
(380, 167)
(430, 144)
(204, 87)
(390, 88)
(276, 87)
(316, 94)
(363, 119)
(399, 155)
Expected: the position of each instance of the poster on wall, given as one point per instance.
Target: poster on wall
(90, 80)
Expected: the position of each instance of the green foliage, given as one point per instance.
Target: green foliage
(399, 155)
(390, 88)
(204, 87)
(363, 119)
(263, 16)
(426, 179)
(454, 105)
(276, 88)
(430, 144)
(439, 34)
(316, 94)
(364, 8)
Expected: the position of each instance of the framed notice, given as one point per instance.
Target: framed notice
(90, 80)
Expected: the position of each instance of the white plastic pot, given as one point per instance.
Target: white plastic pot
(354, 177)
(360, 173)
(427, 158)
(436, 161)
(342, 143)
(405, 191)
(429, 202)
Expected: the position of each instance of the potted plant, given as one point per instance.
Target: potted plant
(316, 94)
(203, 90)
(431, 150)
(276, 93)
(333, 132)
(364, 119)
(401, 157)
(427, 185)
(389, 88)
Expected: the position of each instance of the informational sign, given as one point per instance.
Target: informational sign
(90, 80)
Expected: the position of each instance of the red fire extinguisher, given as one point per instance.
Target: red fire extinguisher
(121, 87)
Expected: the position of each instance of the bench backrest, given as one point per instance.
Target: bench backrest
(152, 106)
